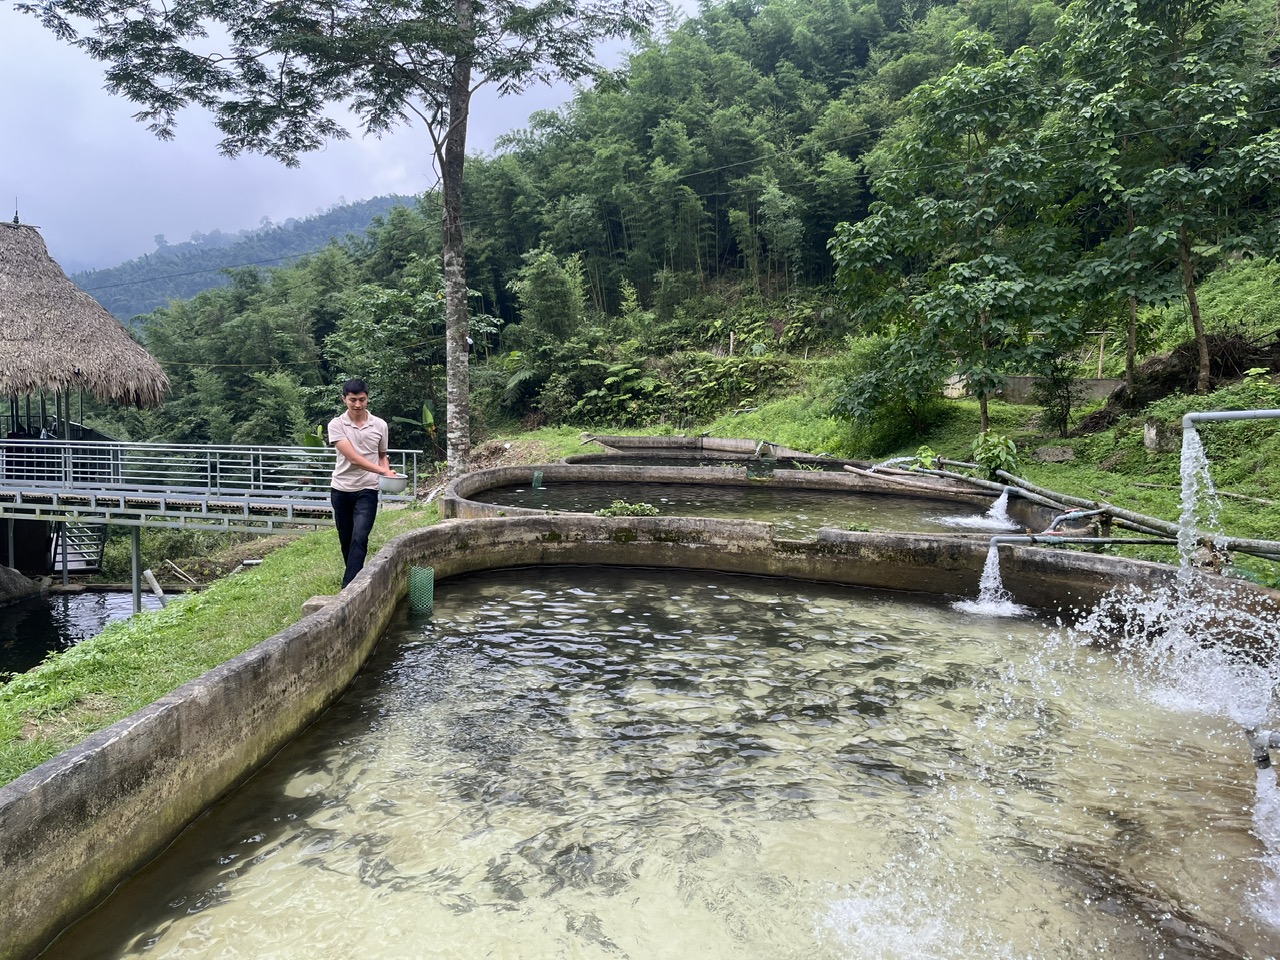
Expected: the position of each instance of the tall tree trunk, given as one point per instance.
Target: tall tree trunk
(984, 323)
(457, 326)
(1197, 322)
(1131, 347)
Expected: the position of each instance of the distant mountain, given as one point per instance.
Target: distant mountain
(181, 270)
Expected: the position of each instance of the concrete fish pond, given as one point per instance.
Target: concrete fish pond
(796, 502)
(573, 761)
(760, 457)
(75, 828)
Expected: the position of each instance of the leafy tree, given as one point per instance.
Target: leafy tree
(394, 337)
(551, 296)
(390, 61)
(964, 261)
(1168, 121)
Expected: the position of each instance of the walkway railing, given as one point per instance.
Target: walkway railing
(189, 485)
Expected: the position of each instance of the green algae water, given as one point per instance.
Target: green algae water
(794, 511)
(606, 763)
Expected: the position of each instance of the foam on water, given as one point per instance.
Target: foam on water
(897, 917)
(1194, 649)
(993, 600)
(996, 519)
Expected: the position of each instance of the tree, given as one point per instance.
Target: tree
(1168, 120)
(964, 261)
(274, 69)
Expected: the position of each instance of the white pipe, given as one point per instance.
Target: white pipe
(1189, 421)
(1262, 742)
(155, 586)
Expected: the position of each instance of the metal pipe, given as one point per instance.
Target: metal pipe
(135, 566)
(1190, 419)
(1262, 742)
(1074, 515)
(1052, 539)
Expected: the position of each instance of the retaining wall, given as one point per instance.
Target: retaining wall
(81, 823)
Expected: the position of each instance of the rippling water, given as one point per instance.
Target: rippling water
(33, 628)
(794, 511)
(586, 763)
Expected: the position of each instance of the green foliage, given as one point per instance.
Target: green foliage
(426, 425)
(707, 385)
(801, 422)
(556, 400)
(1241, 297)
(888, 392)
(313, 436)
(626, 395)
(993, 452)
(552, 298)
(1258, 390)
(179, 271)
(625, 508)
(1057, 392)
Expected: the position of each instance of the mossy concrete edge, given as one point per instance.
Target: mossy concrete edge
(78, 825)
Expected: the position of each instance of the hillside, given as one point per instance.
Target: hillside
(179, 271)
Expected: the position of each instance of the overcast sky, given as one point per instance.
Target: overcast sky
(100, 186)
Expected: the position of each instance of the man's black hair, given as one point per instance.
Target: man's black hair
(354, 385)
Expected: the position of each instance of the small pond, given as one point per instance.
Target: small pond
(33, 628)
(676, 765)
(763, 465)
(794, 511)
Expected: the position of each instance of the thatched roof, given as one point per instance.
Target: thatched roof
(54, 336)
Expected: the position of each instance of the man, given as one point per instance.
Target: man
(361, 441)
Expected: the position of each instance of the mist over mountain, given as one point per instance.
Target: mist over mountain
(179, 271)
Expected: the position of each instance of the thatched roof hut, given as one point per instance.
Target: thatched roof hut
(54, 336)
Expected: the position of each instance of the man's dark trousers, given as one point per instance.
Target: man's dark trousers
(353, 513)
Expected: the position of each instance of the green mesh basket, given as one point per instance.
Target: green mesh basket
(422, 588)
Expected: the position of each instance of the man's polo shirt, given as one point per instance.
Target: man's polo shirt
(369, 440)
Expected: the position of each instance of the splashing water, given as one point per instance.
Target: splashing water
(996, 518)
(1195, 647)
(1266, 827)
(993, 599)
(1200, 502)
(896, 917)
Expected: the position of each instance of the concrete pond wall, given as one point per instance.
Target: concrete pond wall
(75, 827)
(463, 497)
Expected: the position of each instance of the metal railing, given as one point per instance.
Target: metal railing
(160, 484)
(64, 429)
(161, 466)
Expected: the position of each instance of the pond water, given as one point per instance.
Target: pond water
(794, 512)
(604, 763)
(764, 464)
(33, 628)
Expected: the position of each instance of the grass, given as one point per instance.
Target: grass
(136, 661)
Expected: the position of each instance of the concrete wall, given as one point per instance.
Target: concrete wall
(1017, 389)
(464, 497)
(78, 825)
(73, 828)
